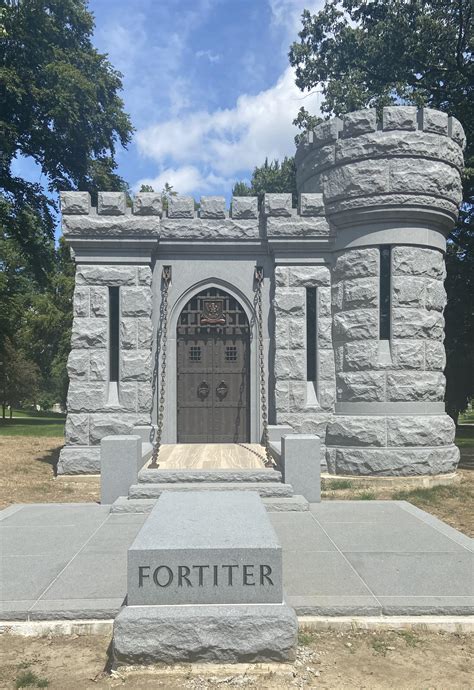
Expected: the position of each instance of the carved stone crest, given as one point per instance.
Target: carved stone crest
(213, 312)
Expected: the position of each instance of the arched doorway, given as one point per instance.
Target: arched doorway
(213, 357)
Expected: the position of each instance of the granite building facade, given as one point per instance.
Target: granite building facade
(340, 299)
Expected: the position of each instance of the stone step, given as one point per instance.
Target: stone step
(158, 476)
(275, 504)
(270, 489)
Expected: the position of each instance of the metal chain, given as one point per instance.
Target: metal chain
(166, 277)
(261, 357)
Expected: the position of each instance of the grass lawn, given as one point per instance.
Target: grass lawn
(39, 424)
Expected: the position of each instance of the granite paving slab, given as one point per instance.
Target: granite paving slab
(339, 558)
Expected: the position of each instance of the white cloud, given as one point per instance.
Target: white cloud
(209, 55)
(225, 143)
(287, 14)
(186, 180)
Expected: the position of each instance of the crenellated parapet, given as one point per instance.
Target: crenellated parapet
(407, 163)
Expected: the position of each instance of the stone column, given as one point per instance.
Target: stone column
(394, 183)
(97, 406)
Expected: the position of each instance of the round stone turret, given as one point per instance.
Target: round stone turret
(391, 191)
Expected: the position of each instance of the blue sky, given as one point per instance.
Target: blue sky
(207, 84)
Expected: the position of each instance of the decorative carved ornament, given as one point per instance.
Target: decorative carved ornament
(213, 312)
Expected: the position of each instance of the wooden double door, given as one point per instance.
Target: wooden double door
(213, 371)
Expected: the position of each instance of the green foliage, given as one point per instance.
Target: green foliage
(273, 177)
(60, 109)
(166, 193)
(376, 53)
(29, 679)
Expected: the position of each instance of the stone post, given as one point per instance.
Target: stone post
(388, 186)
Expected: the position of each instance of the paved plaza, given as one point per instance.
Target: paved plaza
(341, 558)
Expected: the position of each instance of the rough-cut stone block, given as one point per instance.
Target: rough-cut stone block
(326, 369)
(290, 365)
(326, 132)
(281, 276)
(220, 634)
(281, 333)
(361, 355)
(88, 333)
(324, 302)
(106, 275)
(400, 117)
(77, 429)
(433, 430)
(282, 398)
(180, 207)
(78, 365)
(360, 293)
(277, 205)
(144, 275)
(418, 261)
(99, 301)
(356, 179)
(427, 385)
(289, 301)
(79, 460)
(456, 132)
(85, 397)
(144, 333)
(98, 365)
(337, 295)
(297, 395)
(128, 334)
(359, 324)
(297, 227)
(359, 122)
(388, 462)
(435, 295)
(296, 334)
(144, 399)
(136, 301)
(135, 365)
(435, 356)
(128, 394)
(429, 177)
(357, 263)
(81, 301)
(212, 207)
(357, 431)
(147, 204)
(110, 424)
(417, 323)
(309, 276)
(311, 205)
(367, 386)
(111, 203)
(75, 203)
(324, 333)
(408, 292)
(184, 552)
(407, 355)
(244, 207)
(434, 121)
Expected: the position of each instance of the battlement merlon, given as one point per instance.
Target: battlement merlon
(113, 227)
(405, 167)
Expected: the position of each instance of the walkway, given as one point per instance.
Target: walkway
(339, 558)
(211, 456)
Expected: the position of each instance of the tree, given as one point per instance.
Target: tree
(375, 53)
(271, 177)
(166, 192)
(18, 378)
(61, 109)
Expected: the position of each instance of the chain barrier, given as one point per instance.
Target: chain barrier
(261, 358)
(166, 280)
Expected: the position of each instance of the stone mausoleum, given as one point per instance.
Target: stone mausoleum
(326, 318)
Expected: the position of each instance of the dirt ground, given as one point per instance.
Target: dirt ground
(329, 659)
(28, 467)
(27, 474)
